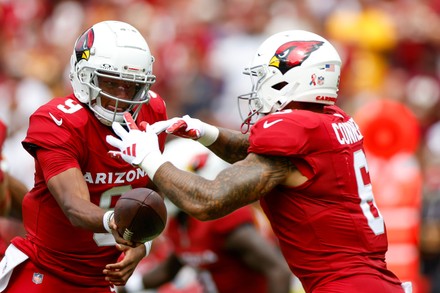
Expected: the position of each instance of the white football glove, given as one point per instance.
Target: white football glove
(188, 127)
(136, 147)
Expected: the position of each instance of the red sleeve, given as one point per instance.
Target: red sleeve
(230, 222)
(287, 133)
(55, 162)
(58, 147)
(277, 134)
(43, 133)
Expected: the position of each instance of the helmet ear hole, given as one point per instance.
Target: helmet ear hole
(279, 86)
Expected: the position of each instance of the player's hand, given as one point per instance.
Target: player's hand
(138, 148)
(195, 129)
(186, 127)
(134, 145)
(119, 273)
(118, 238)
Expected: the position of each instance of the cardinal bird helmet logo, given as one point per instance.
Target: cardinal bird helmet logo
(83, 45)
(292, 54)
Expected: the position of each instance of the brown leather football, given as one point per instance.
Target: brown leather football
(140, 215)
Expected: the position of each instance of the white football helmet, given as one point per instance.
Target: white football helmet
(290, 66)
(111, 50)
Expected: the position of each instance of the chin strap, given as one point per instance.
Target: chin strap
(245, 126)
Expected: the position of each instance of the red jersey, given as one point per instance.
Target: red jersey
(201, 245)
(70, 130)
(329, 227)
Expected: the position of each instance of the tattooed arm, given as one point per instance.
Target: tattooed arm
(244, 182)
(230, 145)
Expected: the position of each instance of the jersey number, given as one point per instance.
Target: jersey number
(69, 107)
(365, 191)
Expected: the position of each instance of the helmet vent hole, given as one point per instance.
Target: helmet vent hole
(279, 86)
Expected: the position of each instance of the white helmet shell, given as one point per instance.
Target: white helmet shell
(293, 65)
(116, 50)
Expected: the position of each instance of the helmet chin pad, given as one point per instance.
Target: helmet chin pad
(107, 117)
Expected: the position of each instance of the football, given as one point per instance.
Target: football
(140, 215)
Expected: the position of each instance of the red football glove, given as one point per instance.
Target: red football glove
(187, 127)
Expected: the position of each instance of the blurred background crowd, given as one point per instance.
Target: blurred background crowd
(390, 83)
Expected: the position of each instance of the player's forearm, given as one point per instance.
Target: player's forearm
(17, 190)
(84, 214)
(211, 199)
(71, 193)
(4, 200)
(163, 273)
(185, 190)
(279, 280)
(230, 145)
(260, 255)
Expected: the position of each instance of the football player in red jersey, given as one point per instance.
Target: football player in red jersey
(228, 254)
(303, 160)
(69, 245)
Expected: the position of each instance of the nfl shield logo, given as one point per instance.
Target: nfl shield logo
(37, 278)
